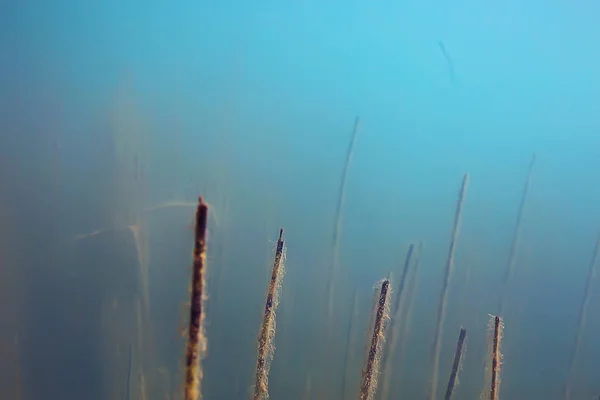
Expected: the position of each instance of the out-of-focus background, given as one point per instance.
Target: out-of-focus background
(116, 115)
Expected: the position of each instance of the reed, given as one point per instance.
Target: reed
(389, 352)
(456, 364)
(406, 313)
(350, 337)
(371, 371)
(267, 329)
(582, 318)
(441, 312)
(196, 342)
(495, 382)
(335, 240)
(512, 256)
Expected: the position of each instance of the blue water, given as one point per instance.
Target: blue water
(110, 108)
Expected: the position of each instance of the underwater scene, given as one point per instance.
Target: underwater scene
(299, 200)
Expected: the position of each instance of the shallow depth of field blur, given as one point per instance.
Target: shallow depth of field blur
(116, 115)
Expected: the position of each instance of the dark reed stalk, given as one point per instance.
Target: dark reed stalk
(441, 311)
(495, 383)
(456, 364)
(196, 342)
(349, 342)
(406, 318)
(581, 319)
(267, 330)
(388, 354)
(510, 266)
(405, 269)
(335, 240)
(448, 59)
(369, 383)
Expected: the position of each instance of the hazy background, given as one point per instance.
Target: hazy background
(109, 108)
